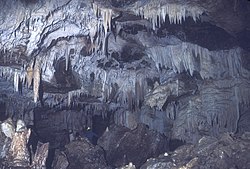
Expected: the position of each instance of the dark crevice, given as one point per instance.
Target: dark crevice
(175, 143)
(201, 33)
(3, 111)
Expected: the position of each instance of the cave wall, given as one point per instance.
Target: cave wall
(180, 68)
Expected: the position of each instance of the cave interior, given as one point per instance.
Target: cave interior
(88, 84)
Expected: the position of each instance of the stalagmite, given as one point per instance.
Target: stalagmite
(40, 157)
(18, 149)
(8, 128)
(20, 126)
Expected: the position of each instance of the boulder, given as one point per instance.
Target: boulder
(80, 154)
(123, 145)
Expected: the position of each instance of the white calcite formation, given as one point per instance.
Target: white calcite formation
(8, 128)
(85, 61)
(157, 12)
(190, 57)
(36, 81)
(18, 151)
(14, 149)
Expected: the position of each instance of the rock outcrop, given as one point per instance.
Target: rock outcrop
(227, 152)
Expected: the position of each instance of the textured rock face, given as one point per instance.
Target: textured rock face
(182, 68)
(226, 152)
(14, 147)
(80, 154)
(123, 145)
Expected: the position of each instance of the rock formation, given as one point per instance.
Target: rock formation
(179, 67)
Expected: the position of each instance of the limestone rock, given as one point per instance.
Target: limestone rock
(227, 152)
(123, 145)
(80, 154)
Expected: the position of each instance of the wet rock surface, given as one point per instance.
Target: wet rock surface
(123, 145)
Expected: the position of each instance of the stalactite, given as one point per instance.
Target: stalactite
(183, 57)
(106, 15)
(67, 56)
(176, 12)
(16, 81)
(76, 94)
(69, 98)
(237, 102)
(130, 100)
(104, 96)
(29, 75)
(36, 82)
